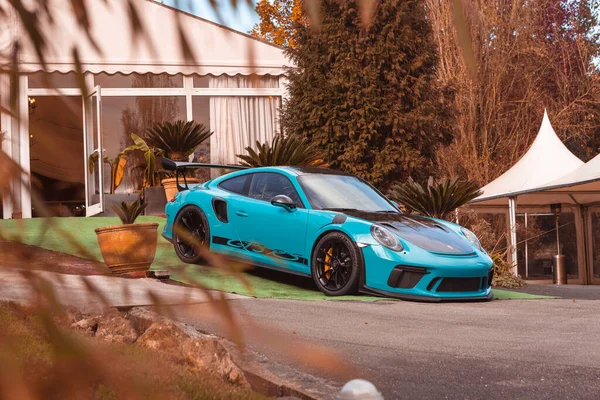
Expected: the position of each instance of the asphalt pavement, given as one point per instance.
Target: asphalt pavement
(514, 349)
(511, 349)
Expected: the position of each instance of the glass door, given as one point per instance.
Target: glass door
(93, 152)
(593, 243)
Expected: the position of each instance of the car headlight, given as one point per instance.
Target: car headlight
(386, 238)
(471, 237)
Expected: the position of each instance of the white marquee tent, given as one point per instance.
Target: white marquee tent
(546, 160)
(547, 174)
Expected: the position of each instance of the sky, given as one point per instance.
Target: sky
(242, 19)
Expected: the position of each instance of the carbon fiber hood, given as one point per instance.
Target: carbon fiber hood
(419, 231)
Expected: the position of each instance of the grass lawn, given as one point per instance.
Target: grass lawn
(76, 236)
(55, 363)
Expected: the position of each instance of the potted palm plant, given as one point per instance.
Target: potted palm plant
(128, 249)
(283, 150)
(178, 141)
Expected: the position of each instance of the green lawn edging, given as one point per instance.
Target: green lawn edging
(76, 236)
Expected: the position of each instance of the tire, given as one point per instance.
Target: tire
(191, 235)
(337, 253)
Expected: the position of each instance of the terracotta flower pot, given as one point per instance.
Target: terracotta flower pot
(128, 249)
(170, 185)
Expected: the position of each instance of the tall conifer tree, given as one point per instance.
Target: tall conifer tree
(369, 96)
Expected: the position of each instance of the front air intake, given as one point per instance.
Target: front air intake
(406, 277)
(459, 285)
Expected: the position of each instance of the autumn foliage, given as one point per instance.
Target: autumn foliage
(279, 21)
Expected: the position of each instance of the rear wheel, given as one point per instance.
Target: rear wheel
(191, 235)
(336, 264)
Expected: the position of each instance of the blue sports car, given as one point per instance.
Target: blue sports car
(326, 224)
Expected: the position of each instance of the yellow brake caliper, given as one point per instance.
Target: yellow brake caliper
(327, 264)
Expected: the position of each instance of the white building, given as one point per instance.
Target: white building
(234, 86)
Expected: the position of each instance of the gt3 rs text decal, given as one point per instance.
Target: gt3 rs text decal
(258, 248)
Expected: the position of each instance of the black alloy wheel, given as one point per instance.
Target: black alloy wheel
(191, 235)
(336, 264)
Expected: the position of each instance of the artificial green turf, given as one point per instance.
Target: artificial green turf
(510, 295)
(76, 236)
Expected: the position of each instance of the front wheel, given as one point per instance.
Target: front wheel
(191, 235)
(336, 264)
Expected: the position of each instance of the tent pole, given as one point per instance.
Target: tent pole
(512, 214)
(526, 249)
(557, 236)
(582, 243)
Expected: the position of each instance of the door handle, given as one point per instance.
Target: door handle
(241, 213)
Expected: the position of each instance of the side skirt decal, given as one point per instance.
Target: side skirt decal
(258, 248)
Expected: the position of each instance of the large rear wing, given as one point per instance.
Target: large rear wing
(180, 167)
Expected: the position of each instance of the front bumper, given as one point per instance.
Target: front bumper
(421, 275)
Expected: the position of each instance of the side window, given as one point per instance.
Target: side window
(267, 185)
(238, 185)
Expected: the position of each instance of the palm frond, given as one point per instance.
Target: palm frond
(283, 150)
(435, 200)
(178, 139)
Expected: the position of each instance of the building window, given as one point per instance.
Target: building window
(236, 81)
(54, 80)
(201, 81)
(201, 114)
(122, 116)
(239, 122)
(139, 80)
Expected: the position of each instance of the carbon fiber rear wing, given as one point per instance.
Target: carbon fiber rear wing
(180, 167)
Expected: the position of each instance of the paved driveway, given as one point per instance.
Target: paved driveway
(526, 349)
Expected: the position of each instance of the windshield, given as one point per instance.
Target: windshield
(339, 192)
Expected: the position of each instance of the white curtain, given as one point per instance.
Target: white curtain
(238, 122)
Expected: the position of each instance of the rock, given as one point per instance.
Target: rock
(89, 326)
(113, 327)
(203, 352)
(209, 354)
(72, 315)
(163, 336)
(142, 318)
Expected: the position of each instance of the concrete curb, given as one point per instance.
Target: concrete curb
(278, 380)
(264, 376)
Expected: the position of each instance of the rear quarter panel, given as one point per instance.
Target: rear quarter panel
(201, 197)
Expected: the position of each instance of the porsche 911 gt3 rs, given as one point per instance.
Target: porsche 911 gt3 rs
(331, 226)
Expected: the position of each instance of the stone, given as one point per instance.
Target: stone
(113, 327)
(209, 354)
(203, 352)
(72, 315)
(141, 318)
(89, 325)
(163, 336)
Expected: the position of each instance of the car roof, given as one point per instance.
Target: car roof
(314, 170)
(288, 170)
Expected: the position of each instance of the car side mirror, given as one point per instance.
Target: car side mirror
(283, 201)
